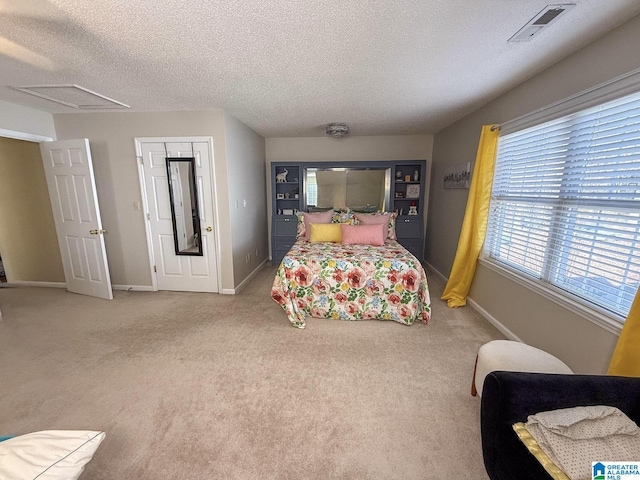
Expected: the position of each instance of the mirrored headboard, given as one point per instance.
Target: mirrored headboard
(361, 189)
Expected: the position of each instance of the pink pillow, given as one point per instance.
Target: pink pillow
(317, 217)
(362, 234)
(375, 219)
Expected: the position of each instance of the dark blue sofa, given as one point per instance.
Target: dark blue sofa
(510, 397)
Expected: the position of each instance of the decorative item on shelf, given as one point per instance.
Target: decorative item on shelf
(416, 176)
(399, 195)
(407, 178)
(296, 192)
(282, 176)
(287, 211)
(279, 196)
(337, 130)
(287, 195)
(413, 208)
(413, 191)
(399, 175)
(279, 212)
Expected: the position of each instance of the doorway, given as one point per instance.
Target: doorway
(28, 242)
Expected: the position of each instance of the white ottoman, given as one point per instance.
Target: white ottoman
(514, 357)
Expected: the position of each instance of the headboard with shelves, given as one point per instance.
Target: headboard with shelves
(302, 186)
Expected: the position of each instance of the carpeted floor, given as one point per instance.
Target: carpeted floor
(205, 386)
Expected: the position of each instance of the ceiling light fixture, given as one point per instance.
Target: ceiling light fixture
(337, 130)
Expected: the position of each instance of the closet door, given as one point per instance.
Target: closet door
(172, 271)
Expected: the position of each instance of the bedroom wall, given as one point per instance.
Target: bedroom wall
(111, 137)
(28, 241)
(584, 346)
(16, 118)
(349, 148)
(247, 197)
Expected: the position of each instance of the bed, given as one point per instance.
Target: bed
(351, 282)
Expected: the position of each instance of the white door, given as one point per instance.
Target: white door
(72, 188)
(179, 272)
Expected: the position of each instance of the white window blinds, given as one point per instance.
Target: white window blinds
(565, 204)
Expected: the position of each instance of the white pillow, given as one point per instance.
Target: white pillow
(48, 455)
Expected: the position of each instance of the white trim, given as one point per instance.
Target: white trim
(493, 321)
(134, 288)
(431, 267)
(26, 283)
(29, 137)
(245, 282)
(486, 315)
(483, 313)
(594, 316)
(615, 88)
(145, 213)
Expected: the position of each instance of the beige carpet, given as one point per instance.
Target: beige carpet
(205, 386)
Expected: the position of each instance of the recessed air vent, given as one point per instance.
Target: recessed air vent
(543, 19)
(72, 96)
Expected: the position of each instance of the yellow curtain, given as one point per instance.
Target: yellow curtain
(626, 356)
(474, 224)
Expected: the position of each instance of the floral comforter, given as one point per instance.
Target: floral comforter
(351, 282)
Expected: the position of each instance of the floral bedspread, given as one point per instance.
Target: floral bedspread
(351, 282)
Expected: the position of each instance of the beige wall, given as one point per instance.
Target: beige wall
(28, 242)
(111, 137)
(534, 319)
(350, 148)
(247, 197)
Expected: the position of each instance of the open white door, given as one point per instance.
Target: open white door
(72, 188)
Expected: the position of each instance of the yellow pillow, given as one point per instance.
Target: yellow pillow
(325, 232)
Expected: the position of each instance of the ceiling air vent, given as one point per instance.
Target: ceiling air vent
(540, 21)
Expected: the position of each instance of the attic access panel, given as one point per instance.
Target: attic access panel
(73, 96)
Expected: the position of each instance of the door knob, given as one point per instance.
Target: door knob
(209, 229)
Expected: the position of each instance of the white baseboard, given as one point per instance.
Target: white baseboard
(486, 315)
(238, 289)
(21, 283)
(436, 271)
(493, 321)
(134, 288)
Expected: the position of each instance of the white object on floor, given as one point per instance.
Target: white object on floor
(514, 357)
(48, 455)
(573, 437)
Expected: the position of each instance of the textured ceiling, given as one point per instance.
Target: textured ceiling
(289, 67)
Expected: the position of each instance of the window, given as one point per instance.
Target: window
(565, 208)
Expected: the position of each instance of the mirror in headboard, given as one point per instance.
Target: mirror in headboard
(360, 189)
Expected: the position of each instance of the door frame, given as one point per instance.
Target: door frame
(145, 200)
(32, 138)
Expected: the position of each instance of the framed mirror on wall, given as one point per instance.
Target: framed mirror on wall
(360, 189)
(183, 197)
